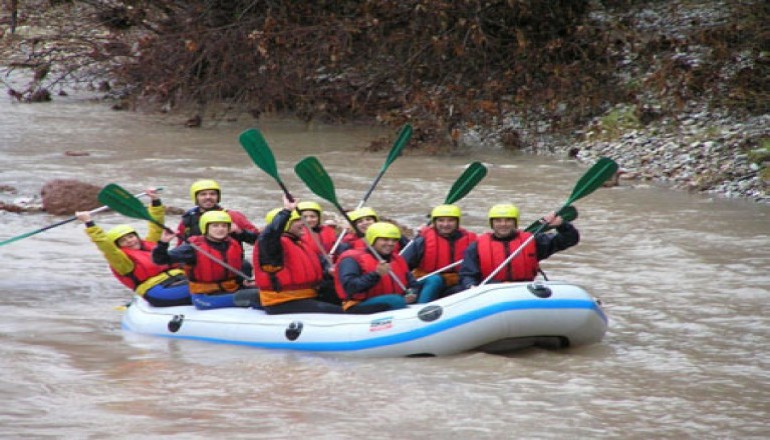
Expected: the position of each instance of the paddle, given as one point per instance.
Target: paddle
(395, 151)
(602, 170)
(57, 224)
(260, 153)
(317, 179)
(120, 200)
(256, 146)
(466, 182)
(567, 214)
(438, 271)
(462, 186)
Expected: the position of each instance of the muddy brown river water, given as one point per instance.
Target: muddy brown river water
(685, 279)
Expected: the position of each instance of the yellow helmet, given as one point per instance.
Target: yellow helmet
(309, 206)
(503, 211)
(446, 211)
(361, 213)
(273, 212)
(118, 231)
(382, 230)
(201, 185)
(271, 215)
(213, 217)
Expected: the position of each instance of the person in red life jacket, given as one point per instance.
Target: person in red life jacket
(287, 272)
(492, 248)
(207, 194)
(365, 284)
(327, 235)
(438, 246)
(362, 218)
(212, 284)
(130, 258)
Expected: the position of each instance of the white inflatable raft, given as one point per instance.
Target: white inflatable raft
(494, 318)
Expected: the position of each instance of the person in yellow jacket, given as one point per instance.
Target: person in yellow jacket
(130, 258)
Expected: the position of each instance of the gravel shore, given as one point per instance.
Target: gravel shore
(696, 147)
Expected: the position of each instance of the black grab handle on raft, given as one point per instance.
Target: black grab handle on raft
(539, 289)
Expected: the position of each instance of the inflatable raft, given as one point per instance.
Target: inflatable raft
(494, 318)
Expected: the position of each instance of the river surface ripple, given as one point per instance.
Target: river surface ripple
(684, 279)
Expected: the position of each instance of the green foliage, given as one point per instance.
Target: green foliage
(765, 175)
(761, 154)
(616, 122)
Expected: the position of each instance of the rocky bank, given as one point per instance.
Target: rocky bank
(668, 135)
(698, 147)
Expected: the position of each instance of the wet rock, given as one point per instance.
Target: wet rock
(76, 153)
(10, 207)
(15, 94)
(194, 122)
(22, 204)
(65, 196)
(614, 180)
(39, 95)
(511, 140)
(8, 189)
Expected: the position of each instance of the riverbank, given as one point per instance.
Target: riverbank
(692, 112)
(698, 150)
(671, 135)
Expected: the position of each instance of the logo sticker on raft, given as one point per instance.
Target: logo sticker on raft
(381, 324)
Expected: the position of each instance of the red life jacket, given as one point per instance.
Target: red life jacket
(144, 267)
(492, 253)
(188, 226)
(240, 219)
(440, 252)
(207, 270)
(296, 279)
(326, 235)
(368, 263)
(350, 238)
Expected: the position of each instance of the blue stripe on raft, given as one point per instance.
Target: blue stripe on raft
(400, 338)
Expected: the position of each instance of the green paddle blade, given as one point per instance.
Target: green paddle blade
(593, 179)
(316, 178)
(122, 201)
(568, 213)
(398, 145)
(256, 146)
(466, 182)
(395, 151)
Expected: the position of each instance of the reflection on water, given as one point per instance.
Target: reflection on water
(684, 278)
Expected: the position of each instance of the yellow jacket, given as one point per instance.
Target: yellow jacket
(120, 262)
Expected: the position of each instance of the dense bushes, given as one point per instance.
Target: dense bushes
(442, 62)
(446, 64)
